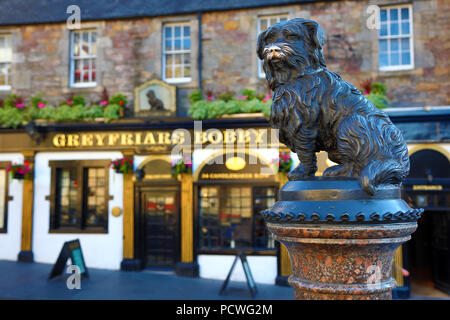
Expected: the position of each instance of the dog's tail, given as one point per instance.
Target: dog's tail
(380, 172)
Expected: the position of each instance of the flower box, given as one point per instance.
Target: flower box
(19, 171)
(122, 165)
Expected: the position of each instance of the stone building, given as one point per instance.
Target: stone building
(185, 46)
(129, 49)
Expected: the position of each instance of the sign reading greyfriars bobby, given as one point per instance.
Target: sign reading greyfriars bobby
(336, 226)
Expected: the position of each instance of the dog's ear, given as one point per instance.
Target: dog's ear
(260, 44)
(315, 32)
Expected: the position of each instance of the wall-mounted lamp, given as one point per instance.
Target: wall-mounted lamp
(139, 173)
(32, 130)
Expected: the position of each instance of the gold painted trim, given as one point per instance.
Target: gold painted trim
(262, 158)
(172, 89)
(432, 146)
(152, 158)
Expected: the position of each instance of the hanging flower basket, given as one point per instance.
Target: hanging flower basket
(284, 162)
(19, 171)
(183, 165)
(122, 165)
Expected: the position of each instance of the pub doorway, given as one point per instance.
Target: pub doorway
(428, 251)
(160, 226)
(157, 215)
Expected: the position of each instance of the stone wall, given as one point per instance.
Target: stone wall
(129, 53)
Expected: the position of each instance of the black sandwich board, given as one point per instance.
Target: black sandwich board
(248, 275)
(72, 250)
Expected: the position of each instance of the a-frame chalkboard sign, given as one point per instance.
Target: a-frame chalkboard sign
(72, 250)
(248, 275)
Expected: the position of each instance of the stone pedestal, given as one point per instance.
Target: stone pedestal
(341, 240)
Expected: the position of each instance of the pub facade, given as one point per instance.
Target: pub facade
(196, 220)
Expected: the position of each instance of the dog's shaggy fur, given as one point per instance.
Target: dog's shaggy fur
(315, 109)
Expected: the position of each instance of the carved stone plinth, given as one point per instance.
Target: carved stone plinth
(341, 240)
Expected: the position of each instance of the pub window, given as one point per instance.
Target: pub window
(3, 196)
(5, 62)
(263, 23)
(83, 56)
(230, 217)
(79, 196)
(395, 38)
(177, 53)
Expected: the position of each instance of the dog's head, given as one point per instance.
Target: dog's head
(291, 49)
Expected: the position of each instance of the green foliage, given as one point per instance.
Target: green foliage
(11, 116)
(111, 112)
(226, 96)
(378, 88)
(94, 111)
(195, 96)
(199, 109)
(14, 112)
(12, 100)
(79, 100)
(379, 100)
(36, 100)
(249, 93)
(183, 165)
(47, 113)
(213, 109)
(119, 99)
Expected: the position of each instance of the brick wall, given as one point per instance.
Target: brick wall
(129, 52)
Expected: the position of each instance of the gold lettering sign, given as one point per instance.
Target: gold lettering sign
(117, 139)
(427, 187)
(214, 137)
(233, 176)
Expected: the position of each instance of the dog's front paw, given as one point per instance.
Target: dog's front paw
(301, 172)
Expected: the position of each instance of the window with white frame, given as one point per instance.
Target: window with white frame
(5, 62)
(263, 23)
(83, 56)
(177, 52)
(395, 38)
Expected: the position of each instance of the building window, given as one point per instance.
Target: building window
(263, 23)
(177, 53)
(229, 217)
(3, 196)
(83, 54)
(395, 38)
(5, 62)
(79, 196)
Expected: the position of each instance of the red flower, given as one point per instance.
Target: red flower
(121, 102)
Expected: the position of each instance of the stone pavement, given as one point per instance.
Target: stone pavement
(29, 281)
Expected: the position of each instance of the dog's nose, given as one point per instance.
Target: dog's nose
(274, 49)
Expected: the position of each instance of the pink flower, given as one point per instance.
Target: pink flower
(242, 98)
(70, 102)
(41, 105)
(103, 103)
(209, 99)
(20, 105)
(268, 96)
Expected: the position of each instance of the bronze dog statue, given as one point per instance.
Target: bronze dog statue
(315, 109)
